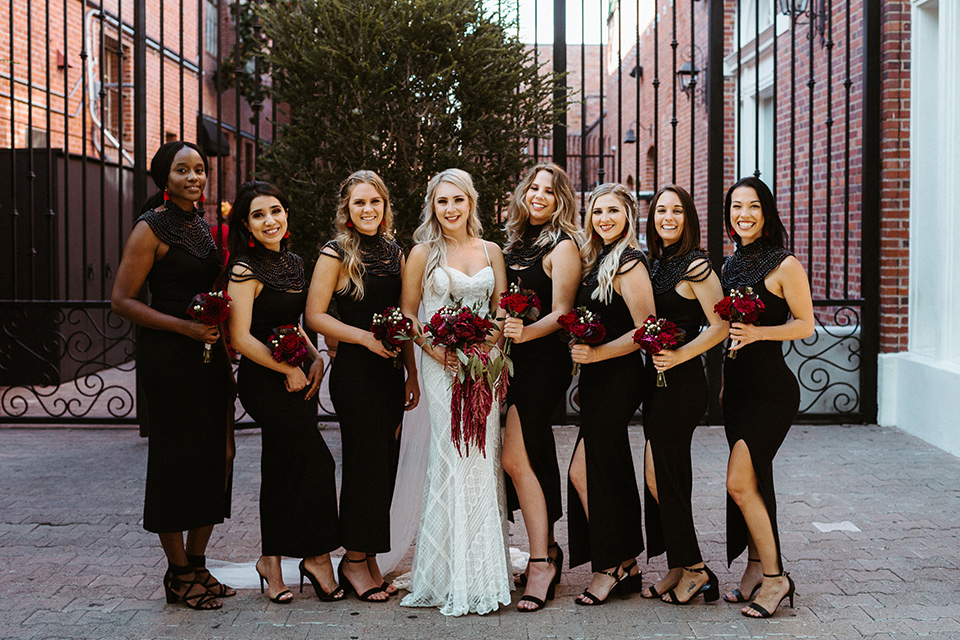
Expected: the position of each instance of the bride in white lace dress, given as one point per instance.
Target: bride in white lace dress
(461, 560)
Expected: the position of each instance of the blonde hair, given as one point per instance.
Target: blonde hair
(593, 243)
(430, 233)
(348, 237)
(563, 219)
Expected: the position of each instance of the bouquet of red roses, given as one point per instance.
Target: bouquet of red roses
(480, 374)
(391, 328)
(288, 345)
(658, 334)
(519, 303)
(582, 326)
(742, 305)
(210, 309)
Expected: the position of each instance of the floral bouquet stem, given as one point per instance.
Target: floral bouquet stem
(210, 309)
(742, 305)
(658, 334)
(582, 326)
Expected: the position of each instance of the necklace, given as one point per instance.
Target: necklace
(180, 228)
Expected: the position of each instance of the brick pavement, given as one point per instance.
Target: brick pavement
(75, 563)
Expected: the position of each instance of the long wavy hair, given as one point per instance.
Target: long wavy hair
(430, 233)
(689, 237)
(240, 236)
(348, 237)
(773, 229)
(564, 218)
(593, 243)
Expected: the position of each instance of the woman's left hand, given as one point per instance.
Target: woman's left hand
(666, 359)
(411, 392)
(513, 329)
(743, 334)
(314, 377)
(583, 354)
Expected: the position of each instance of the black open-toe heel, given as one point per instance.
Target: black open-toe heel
(333, 596)
(767, 614)
(520, 579)
(631, 583)
(348, 587)
(207, 579)
(384, 586)
(284, 597)
(619, 574)
(739, 597)
(710, 590)
(173, 580)
(551, 590)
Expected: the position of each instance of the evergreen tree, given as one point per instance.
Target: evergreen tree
(404, 87)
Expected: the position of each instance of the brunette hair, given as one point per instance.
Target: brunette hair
(239, 239)
(773, 229)
(564, 218)
(689, 237)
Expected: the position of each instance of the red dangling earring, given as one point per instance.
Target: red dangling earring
(624, 234)
(203, 198)
(252, 243)
(166, 194)
(287, 234)
(349, 224)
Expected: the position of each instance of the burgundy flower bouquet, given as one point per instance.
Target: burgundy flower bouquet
(480, 374)
(392, 328)
(519, 303)
(658, 334)
(288, 345)
(210, 309)
(582, 326)
(742, 305)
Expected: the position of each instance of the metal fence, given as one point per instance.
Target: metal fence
(688, 92)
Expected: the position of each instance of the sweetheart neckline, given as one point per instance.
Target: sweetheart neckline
(474, 275)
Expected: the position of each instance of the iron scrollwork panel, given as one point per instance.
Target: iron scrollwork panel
(70, 361)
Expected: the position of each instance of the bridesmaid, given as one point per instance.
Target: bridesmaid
(189, 404)
(541, 255)
(761, 395)
(360, 271)
(604, 502)
(685, 290)
(298, 492)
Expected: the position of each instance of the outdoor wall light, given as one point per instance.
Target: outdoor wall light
(630, 137)
(797, 8)
(793, 7)
(687, 76)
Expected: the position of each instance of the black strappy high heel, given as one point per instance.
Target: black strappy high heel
(551, 590)
(207, 579)
(767, 614)
(284, 597)
(173, 580)
(333, 596)
(348, 587)
(624, 584)
(710, 590)
(739, 597)
(384, 586)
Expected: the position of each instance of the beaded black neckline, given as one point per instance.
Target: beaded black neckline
(751, 263)
(526, 252)
(670, 268)
(279, 270)
(180, 228)
(380, 256)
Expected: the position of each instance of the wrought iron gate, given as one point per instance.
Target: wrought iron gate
(695, 92)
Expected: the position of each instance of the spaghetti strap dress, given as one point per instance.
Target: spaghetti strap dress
(367, 392)
(761, 395)
(461, 561)
(541, 375)
(188, 403)
(671, 414)
(610, 394)
(298, 486)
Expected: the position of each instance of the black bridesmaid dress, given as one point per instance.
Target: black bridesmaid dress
(610, 393)
(368, 395)
(670, 417)
(761, 395)
(298, 486)
(541, 376)
(188, 403)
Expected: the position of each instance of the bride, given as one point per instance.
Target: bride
(461, 561)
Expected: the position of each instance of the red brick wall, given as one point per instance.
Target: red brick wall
(71, 126)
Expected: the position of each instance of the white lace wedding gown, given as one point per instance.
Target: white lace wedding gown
(461, 562)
